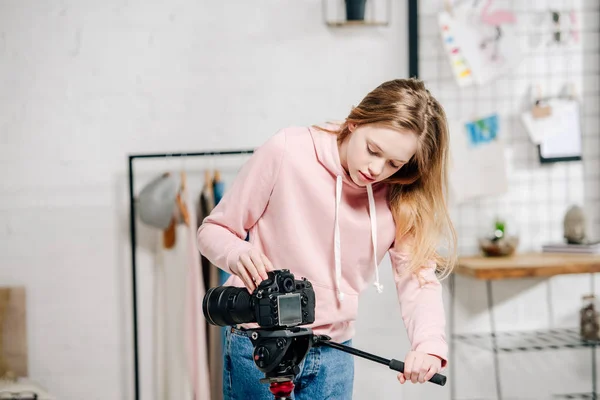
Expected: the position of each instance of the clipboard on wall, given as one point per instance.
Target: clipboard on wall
(557, 134)
(566, 144)
(554, 159)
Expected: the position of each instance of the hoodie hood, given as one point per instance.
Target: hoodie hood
(328, 155)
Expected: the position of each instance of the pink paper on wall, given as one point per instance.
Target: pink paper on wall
(479, 41)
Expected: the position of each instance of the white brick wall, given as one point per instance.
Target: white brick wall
(82, 84)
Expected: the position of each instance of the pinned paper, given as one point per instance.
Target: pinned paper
(482, 131)
(458, 63)
(478, 166)
(479, 41)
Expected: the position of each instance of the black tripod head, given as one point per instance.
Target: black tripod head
(279, 353)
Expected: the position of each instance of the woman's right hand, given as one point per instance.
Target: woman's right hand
(252, 268)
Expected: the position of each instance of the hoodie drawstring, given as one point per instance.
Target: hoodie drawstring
(338, 260)
(373, 217)
(337, 244)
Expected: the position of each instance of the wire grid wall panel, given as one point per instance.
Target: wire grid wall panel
(539, 194)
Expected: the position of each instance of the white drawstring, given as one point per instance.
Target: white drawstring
(337, 244)
(373, 217)
(338, 260)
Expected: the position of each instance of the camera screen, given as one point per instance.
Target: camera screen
(290, 309)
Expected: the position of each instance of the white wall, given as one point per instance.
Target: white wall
(85, 83)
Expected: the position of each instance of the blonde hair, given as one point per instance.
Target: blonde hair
(418, 190)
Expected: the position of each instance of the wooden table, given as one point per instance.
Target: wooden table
(527, 265)
(522, 265)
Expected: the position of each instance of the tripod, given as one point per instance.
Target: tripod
(278, 353)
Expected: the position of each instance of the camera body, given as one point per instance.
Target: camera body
(283, 301)
(279, 302)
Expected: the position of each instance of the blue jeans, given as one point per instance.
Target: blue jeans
(325, 373)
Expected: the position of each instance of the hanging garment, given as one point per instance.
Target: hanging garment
(196, 327)
(218, 187)
(218, 191)
(156, 200)
(206, 204)
(181, 367)
(211, 279)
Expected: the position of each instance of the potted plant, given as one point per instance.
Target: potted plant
(500, 243)
(355, 10)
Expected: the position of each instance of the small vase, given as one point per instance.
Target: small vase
(355, 10)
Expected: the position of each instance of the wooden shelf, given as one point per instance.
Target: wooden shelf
(357, 23)
(527, 265)
(377, 13)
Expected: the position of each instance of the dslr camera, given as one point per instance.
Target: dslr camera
(279, 302)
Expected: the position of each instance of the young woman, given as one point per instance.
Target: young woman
(328, 203)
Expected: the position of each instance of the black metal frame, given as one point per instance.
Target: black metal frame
(133, 238)
(413, 38)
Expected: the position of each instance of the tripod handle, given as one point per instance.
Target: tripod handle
(399, 366)
(323, 340)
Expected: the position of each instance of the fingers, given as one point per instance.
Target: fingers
(423, 371)
(419, 368)
(267, 263)
(257, 259)
(408, 365)
(250, 267)
(432, 371)
(416, 369)
(245, 276)
(401, 377)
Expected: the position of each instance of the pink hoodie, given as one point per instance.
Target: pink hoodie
(306, 215)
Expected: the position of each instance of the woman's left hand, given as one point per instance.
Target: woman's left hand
(419, 367)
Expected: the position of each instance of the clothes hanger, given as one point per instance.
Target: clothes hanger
(208, 175)
(208, 179)
(169, 235)
(206, 194)
(185, 215)
(218, 187)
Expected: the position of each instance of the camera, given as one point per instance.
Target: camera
(280, 301)
(279, 305)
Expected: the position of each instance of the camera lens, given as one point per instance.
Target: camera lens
(227, 306)
(288, 284)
